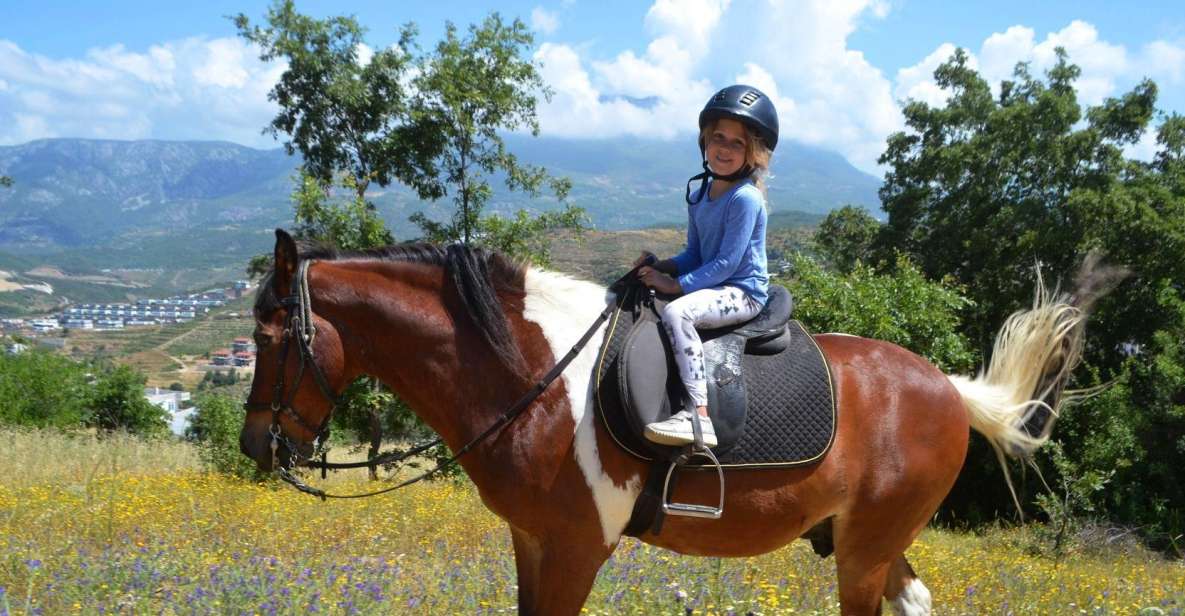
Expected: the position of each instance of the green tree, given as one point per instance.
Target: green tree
(472, 88)
(42, 389)
(902, 307)
(215, 427)
(846, 237)
(5, 181)
(341, 113)
(117, 402)
(985, 187)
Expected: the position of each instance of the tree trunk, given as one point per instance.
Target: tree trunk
(376, 433)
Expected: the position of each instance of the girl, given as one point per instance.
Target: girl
(721, 276)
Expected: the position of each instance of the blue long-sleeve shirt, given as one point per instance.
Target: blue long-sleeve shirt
(726, 243)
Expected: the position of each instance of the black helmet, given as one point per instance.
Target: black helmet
(749, 106)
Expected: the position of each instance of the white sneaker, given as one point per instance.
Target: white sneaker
(678, 430)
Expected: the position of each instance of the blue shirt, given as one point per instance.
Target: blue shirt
(726, 243)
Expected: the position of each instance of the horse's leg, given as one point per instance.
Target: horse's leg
(527, 556)
(555, 575)
(868, 547)
(905, 592)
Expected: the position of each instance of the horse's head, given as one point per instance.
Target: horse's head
(298, 370)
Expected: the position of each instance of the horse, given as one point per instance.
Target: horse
(461, 333)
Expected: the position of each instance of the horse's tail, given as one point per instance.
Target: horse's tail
(1015, 400)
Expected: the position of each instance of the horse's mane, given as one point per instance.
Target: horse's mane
(477, 275)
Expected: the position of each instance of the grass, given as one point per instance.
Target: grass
(91, 525)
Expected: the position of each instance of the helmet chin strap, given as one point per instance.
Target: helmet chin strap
(740, 174)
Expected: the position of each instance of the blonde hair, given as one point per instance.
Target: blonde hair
(757, 155)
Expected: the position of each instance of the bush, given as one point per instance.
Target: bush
(215, 428)
(42, 389)
(902, 307)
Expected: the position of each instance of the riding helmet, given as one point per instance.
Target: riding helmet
(746, 104)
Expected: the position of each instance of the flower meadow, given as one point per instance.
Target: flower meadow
(127, 538)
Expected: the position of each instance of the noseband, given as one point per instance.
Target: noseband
(298, 325)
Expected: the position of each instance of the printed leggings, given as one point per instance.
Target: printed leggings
(707, 309)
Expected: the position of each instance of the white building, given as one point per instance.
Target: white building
(170, 401)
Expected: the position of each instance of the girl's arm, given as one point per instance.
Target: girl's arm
(739, 223)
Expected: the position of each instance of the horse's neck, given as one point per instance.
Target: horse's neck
(392, 330)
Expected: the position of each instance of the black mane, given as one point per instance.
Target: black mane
(477, 275)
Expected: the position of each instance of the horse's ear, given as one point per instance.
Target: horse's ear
(285, 263)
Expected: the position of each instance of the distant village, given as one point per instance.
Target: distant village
(144, 312)
(176, 309)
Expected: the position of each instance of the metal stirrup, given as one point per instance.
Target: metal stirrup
(688, 509)
(696, 448)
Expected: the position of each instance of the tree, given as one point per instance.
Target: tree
(342, 113)
(42, 389)
(5, 181)
(986, 187)
(472, 87)
(215, 427)
(846, 237)
(117, 402)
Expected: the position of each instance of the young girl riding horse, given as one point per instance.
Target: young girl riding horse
(721, 276)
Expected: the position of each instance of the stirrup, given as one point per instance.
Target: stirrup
(688, 509)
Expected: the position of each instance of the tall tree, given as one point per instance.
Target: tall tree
(342, 112)
(846, 237)
(117, 402)
(473, 87)
(987, 186)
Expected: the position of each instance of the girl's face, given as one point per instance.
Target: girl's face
(726, 146)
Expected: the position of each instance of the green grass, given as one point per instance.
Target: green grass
(88, 525)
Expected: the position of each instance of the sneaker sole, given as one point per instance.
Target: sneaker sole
(663, 438)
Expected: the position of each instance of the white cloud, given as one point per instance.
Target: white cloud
(826, 94)
(1165, 60)
(917, 82)
(655, 94)
(193, 88)
(545, 21)
(364, 53)
(1107, 68)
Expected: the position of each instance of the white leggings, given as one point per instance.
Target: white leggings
(707, 309)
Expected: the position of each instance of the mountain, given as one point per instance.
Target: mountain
(134, 199)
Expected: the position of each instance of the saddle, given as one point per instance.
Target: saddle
(769, 395)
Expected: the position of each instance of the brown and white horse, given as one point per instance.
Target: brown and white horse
(461, 334)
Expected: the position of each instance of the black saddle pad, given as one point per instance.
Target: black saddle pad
(791, 408)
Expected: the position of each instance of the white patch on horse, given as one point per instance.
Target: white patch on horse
(914, 600)
(563, 308)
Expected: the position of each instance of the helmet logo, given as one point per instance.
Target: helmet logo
(748, 98)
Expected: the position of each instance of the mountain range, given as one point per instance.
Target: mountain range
(76, 194)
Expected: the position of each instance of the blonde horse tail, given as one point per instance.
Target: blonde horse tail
(1015, 401)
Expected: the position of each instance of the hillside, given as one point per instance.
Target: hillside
(122, 220)
(125, 196)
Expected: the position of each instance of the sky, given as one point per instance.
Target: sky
(839, 71)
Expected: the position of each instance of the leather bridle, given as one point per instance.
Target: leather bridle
(298, 326)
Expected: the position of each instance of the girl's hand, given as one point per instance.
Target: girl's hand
(659, 281)
(646, 254)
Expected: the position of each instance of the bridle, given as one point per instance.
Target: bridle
(298, 326)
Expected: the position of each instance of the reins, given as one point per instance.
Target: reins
(300, 314)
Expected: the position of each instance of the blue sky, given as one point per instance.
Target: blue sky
(838, 70)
